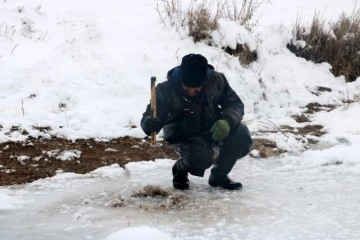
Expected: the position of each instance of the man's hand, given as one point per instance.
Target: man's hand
(220, 130)
(151, 124)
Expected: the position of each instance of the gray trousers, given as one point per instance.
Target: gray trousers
(197, 153)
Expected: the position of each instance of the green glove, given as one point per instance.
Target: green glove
(220, 130)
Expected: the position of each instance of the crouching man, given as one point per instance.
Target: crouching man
(200, 112)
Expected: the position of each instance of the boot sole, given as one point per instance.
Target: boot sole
(181, 187)
(227, 188)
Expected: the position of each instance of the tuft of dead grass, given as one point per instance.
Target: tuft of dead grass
(200, 18)
(159, 198)
(243, 52)
(151, 191)
(337, 44)
(242, 12)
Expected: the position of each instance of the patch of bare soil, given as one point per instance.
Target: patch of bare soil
(30, 160)
(266, 148)
(22, 162)
(312, 108)
(313, 130)
(316, 107)
(301, 118)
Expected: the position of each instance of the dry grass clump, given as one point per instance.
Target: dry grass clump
(154, 197)
(200, 21)
(151, 191)
(242, 51)
(338, 45)
(201, 18)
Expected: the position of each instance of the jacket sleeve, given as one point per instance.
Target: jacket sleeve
(162, 108)
(231, 104)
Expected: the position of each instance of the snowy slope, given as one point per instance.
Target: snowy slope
(83, 69)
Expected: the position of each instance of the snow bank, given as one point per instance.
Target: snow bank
(230, 33)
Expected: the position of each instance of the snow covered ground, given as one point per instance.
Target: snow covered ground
(82, 68)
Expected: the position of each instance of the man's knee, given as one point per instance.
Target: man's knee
(196, 155)
(240, 139)
(246, 139)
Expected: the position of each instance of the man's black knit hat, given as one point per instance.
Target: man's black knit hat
(193, 70)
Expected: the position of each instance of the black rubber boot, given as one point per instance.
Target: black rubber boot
(225, 182)
(180, 177)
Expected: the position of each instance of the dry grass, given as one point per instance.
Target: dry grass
(157, 198)
(196, 20)
(151, 191)
(200, 18)
(338, 45)
(242, 12)
(242, 51)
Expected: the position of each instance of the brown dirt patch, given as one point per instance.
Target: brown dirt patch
(312, 108)
(266, 148)
(317, 107)
(22, 162)
(301, 118)
(33, 159)
(313, 130)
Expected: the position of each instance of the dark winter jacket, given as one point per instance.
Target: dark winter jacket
(182, 116)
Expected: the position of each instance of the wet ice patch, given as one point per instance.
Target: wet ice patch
(8, 202)
(90, 205)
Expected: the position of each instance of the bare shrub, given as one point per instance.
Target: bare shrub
(200, 21)
(242, 13)
(338, 45)
(200, 18)
(171, 13)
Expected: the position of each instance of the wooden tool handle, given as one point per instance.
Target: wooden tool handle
(153, 106)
